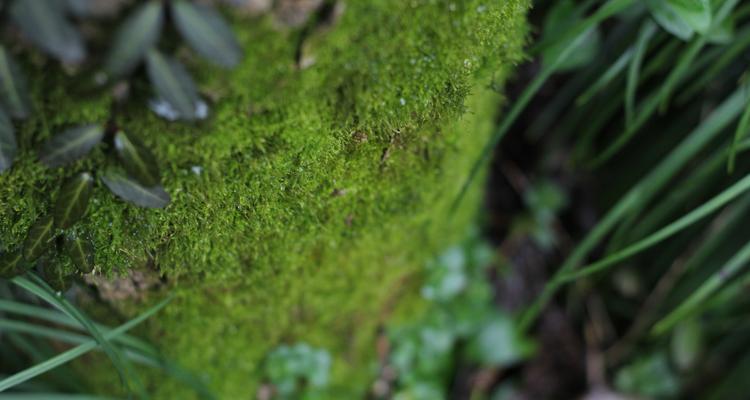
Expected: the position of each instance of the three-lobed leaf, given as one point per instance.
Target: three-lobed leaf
(73, 200)
(137, 159)
(70, 145)
(81, 252)
(8, 145)
(130, 190)
(207, 33)
(38, 239)
(173, 83)
(45, 24)
(135, 37)
(13, 93)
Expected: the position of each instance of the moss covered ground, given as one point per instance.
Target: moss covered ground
(309, 197)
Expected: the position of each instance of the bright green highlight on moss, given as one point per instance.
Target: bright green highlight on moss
(306, 204)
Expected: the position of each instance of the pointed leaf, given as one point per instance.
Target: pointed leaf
(207, 33)
(70, 145)
(44, 23)
(135, 37)
(81, 252)
(668, 18)
(137, 159)
(13, 92)
(131, 191)
(38, 239)
(73, 200)
(12, 264)
(173, 83)
(8, 146)
(696, 13)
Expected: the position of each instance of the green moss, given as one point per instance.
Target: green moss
(321, 190)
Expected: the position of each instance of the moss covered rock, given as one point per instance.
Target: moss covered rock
(303, 205)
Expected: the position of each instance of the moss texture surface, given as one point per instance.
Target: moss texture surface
(307, 200)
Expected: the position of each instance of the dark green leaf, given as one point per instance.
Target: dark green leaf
(131, 191)
(137, 159)
(70, 145)
(207, 33)
(12, 264)
(57, 278)
(81, 252)
(13, 92)
(173, 83)
(38, 239)
(668, 18)
(7, 142)
(73, 200)
(44, 22)
(135, 37)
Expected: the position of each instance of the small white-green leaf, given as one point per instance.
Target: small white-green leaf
(70, 145)
(135, 37)
(13, 93)
(668, 18)
(44, 22)
(207, 33)
(173, 83)
(8, 145)
(130, 190)
(73, 200)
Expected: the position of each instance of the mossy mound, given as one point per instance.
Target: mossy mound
(310, 195)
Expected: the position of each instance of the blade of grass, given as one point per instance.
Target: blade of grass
(38, 287)
(79, 350)
(640, 193)
(666, 232)
(634, 69)
(718, 279)
(741, 131)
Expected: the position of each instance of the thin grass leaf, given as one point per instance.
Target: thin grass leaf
(638, 195)
(8, 146)
(52, 396)
(77, 351)
(133, 192)
(70, 145)
(137, 159)
(742, 129)
(662, 234)
(173, 83)
(135, 37)
(669, 19)
(634, 69)
(38, 238)
(207, 33)
(606, 78)
(13, 92)
(81, 252)
(39, 288)
(46, 25)
(685, 61)
(73, 200)
(698, 297)
(136, 349)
